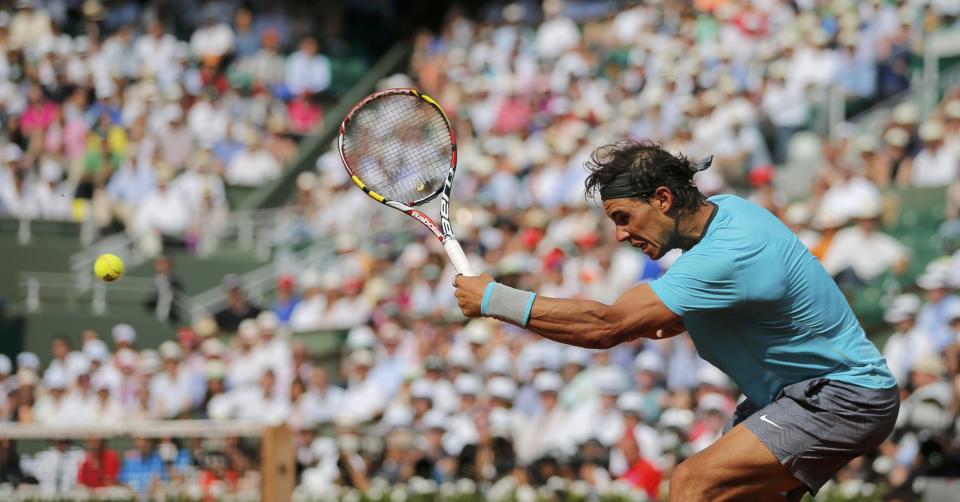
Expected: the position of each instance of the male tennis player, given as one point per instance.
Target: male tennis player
(757, 304)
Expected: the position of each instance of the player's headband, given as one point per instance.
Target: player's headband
(622, 187)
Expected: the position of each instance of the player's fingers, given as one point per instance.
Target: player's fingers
(455, 279)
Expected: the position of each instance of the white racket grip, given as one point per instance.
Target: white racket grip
(459, 259)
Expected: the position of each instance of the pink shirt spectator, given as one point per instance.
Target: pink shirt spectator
(74, 138)
(304, 115)
(38, 117)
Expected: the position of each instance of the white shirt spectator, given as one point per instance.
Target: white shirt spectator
(786, 105)
(244, 369)
(170, 393)
(254, 405)
(164, 211)
(56, 468)
(252, 167)
(307, 71)
(363, 400)
(157, 51)
(847, 250)
(197, 181)
(308, 314)
(208, 122)
(903, 349)
(323, 406)
(50, 410)
(212, 40)
(555, 37)
(934, 167)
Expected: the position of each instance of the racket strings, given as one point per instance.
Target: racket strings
(400, 147)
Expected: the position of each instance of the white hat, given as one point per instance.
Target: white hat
(124, 333)
(360, 337)
(502, 388)
(630, 402)
(677, 419)
(576, 355)
(212, 347)
(397, 417)
(902, 307)
(478, 331)
(310, 280)
(934, 278)
(149, 362)
(609, 382)
(710, 375)
(931, 130)
(170, 350)
(26, 377)
(468, 384)
(712, 402)
(871, 207)
(906, 113)
(897, 136)
(648, 360)
(460, 357)
(952, 109)
(126, 358)
(77, 364)
(268, 321)
(362, 358)
(548, 381)
(827, 217)
(55, 380)
(500, 422)
(498, 364)
(435, 419)
(421, 389)
(247, 330)
(6, 367)
(28, 360)
(797, 214)
(96, 350)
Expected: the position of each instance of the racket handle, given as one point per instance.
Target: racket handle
(459, 259)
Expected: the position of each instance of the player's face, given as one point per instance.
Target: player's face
(641, 223)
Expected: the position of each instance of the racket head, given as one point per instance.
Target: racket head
(398, 145)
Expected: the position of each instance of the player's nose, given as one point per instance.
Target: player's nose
(622, 234)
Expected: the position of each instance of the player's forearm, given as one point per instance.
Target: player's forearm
(584, 323)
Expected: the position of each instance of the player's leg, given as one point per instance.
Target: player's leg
(737, 467)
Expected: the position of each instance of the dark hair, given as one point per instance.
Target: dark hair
(650, 167)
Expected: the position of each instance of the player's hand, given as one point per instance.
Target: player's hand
(469, 292)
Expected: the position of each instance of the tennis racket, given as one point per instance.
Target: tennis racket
(399, 148)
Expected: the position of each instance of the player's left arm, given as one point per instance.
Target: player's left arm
(586, 323)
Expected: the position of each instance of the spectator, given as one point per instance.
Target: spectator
(285, 299)
(167, 289)
(935, 165)
(100, 466)
(908, 343)
(172, 389)
(142, 469)
(163, 214)
(56, 467)
(212, 40)
(845, 260)
(307, 70)
(254, 165)
(128, 187)
(238, 307)
(11, 472)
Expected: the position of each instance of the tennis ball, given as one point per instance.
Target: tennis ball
(108, 267)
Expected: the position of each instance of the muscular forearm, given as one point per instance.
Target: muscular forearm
(584, 323)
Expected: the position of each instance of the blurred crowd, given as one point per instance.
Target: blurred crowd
(125, 123)
(420, 395)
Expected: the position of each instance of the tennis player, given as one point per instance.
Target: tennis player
(758, 306)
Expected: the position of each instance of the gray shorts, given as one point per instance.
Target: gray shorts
(814, 427)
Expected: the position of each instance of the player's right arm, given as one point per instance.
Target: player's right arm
(585, 323)
(639, 313)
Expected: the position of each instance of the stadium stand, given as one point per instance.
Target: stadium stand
(199, 150)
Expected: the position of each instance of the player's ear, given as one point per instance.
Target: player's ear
(662, 199)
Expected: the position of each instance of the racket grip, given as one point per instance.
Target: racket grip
(459, 259)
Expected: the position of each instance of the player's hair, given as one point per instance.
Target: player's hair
(650, 167)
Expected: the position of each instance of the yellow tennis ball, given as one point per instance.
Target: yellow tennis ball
(108, 267)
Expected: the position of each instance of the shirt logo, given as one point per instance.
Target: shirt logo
(767, 420)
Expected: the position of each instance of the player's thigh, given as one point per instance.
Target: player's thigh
(736, 467)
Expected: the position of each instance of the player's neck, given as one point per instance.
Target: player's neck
(692, 227)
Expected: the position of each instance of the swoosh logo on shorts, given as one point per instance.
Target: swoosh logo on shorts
(767, 420)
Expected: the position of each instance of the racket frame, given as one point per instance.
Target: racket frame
(444, 231)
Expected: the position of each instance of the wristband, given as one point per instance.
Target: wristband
(507, 304)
